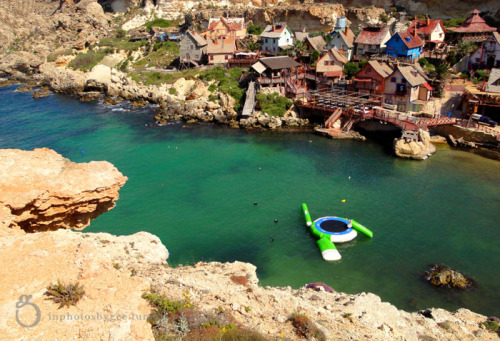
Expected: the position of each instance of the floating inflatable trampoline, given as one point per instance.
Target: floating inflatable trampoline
(331, 230)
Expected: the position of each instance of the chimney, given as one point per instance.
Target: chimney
(304, 30)
(415, 32)
(346, 30)
(427, 20)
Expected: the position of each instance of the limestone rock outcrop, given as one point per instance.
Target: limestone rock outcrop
(444, 276)
(110, 309)
(40, 190)
(418, 150)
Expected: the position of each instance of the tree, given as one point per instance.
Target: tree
(440, 72)
(314, 57)
(254, 29)
(350, 69)
(300, 47)
(253, 46)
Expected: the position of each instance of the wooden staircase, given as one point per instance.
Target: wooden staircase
(333, 118)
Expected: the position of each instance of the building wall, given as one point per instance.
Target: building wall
(438, 34)
(377, 82)
(219, 58)
(189, 50)
(391, 86)
(286, 38)
(490, 49)
(340, 44)
(325, 64)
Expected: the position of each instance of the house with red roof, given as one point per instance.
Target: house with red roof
(487, 56)
(276, 37)
(225, 28)
(405, 44)
(370, 80)
(431, 31)
(474, 29)
(371, 40)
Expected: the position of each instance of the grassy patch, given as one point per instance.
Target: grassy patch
(54, 55)
(162, 55)
(164, 23)
(65, 294)
(86, 61)
(273, 104)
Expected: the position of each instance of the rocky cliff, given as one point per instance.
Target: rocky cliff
(116, 271)
(40, 190)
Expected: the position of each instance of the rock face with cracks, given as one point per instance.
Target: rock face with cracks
(40, 190)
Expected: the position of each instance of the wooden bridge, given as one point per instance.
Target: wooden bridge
(357, 106)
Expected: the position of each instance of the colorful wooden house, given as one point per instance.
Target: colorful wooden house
(487, 55)
(343, 41)
(431, 31)
(370, 80)
(371, 40)
(276, 37)
(407, 90)
(331, 64)
(225, 28)
(405, 44)
(192, 49)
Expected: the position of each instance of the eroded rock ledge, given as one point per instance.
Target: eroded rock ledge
(40, 190)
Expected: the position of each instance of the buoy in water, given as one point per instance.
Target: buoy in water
(271, 240)
(275, 220)
(82, 151)
(343, 200)
(255, 203)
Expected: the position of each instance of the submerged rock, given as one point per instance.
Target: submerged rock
(444, 276)
(42, 92)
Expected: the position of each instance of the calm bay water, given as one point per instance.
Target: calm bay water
(195, 188)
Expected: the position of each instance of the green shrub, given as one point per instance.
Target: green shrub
(350, 69)
(481, 75)
(120, 33)
(65, 295)
(228, 82)
(423, 62)
(254, 29)
(158, 23)
(453, 22)
(384, 17)
(172, 91)
(273, 104)
(212, 87)
(165, 305)
(86, 61)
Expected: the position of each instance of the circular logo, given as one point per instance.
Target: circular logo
(24, 300)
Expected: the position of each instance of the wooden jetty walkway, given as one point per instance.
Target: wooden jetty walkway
(249, 101)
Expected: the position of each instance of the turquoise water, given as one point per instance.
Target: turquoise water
(195, 188)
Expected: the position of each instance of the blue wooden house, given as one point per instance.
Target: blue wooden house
(405, 44)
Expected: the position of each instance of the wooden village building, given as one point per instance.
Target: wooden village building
(192, 49)
(277, 73)
(407, 90)
(474, 29)
(330, 66)
(225, 28)
(405, 45)
(220, 51)
(370, 80)
(486, 56)
(372, 40)
(276, 37)
(343, 41)
(431, 31)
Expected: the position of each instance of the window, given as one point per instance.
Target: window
(393, 80)
(227, 57)
(211, 57)
(403, 81)
(266, 41)
(191, 47)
